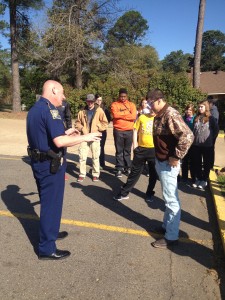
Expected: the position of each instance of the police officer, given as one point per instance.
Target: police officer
(47, 138)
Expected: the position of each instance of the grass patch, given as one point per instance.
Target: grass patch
(221, 180)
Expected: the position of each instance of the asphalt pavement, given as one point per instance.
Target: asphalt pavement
(110, 242)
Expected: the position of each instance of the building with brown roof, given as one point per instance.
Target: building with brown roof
(213, 84)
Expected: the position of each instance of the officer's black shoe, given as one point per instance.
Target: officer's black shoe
(62, 235)
(58, 254)
(118, 173)
(127, 171)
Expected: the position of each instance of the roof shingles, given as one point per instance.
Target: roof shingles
(212, 82)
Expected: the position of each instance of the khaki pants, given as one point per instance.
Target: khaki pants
(83, 154)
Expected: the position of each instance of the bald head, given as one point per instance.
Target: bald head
(53, 91)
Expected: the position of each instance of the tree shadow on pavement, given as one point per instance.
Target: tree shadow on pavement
(72, 169)
(190, 190)
(23, 210)
(158, 203)
(104, 197)
(218, 254)
(72, 164)
(195, 250)
(111, 159)
(198, 251)
(213, 259)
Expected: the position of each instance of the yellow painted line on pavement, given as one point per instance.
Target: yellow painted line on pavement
(10, 158)
(103, 227)
(219, 203)
(6, 213)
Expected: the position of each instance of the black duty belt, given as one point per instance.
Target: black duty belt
(37, 155)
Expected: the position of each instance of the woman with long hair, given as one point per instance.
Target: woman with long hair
(205, 131)
(143, 107)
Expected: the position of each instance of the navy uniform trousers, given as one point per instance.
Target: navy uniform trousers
(51, 190)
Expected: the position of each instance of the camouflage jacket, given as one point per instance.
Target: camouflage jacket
(172, 137)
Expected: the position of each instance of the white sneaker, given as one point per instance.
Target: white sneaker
(202, 185)
(120, 197)
(196, 184)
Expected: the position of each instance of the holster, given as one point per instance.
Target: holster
(55, 161)
(55, 158)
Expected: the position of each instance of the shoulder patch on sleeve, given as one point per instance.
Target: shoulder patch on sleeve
(55, 114)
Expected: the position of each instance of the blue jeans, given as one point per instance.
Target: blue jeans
(168, 178)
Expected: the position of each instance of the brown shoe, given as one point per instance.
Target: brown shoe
(164, 243)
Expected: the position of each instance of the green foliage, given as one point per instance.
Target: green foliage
(221, 180)
(177, 89)
(3, 23)
(76, 98)
(5, 77)
(129, 29)
(19, 26)
(2, 8)
(213, 51)
(26, 4)
(71, 45)
(177, 62)
(32, 81)
(132, 65)
(68, 44)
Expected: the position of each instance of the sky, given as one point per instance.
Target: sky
(172, 23)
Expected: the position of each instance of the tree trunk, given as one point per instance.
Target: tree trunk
(198, 44)
(78, 63)
(78, 82)
(14, 58)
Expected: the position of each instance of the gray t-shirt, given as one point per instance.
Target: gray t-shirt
(90, 113)
(205, 133)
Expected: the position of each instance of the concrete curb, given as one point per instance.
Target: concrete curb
(219, 202)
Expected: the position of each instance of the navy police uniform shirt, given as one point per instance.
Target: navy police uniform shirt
(44, 123)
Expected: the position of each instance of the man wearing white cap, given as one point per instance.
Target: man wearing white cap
(90, 119)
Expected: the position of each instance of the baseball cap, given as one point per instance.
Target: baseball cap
(90, 97)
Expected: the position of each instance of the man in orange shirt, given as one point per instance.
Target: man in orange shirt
(124, 114)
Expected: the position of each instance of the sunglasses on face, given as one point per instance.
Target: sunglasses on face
(151, 101)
